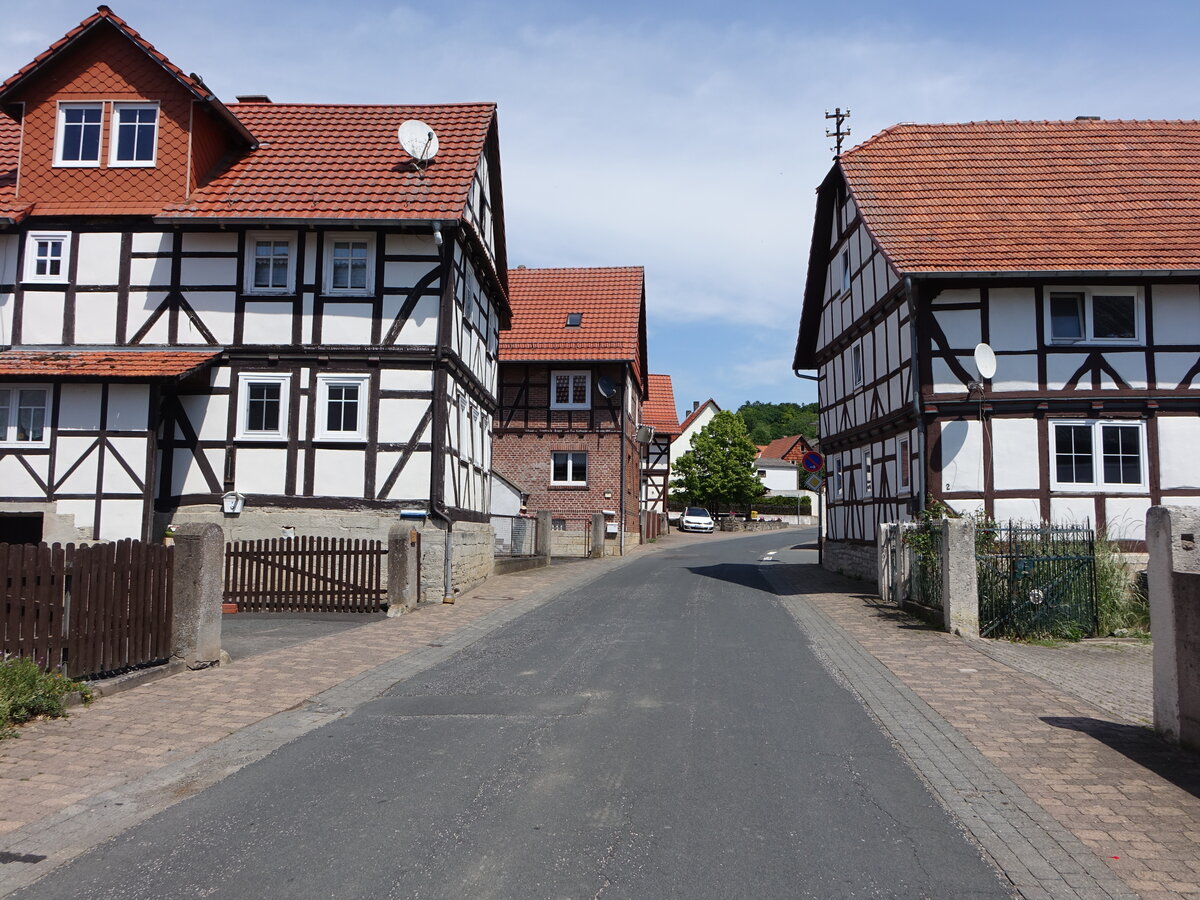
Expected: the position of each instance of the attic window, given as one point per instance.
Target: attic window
(574, 320)
(78, 135)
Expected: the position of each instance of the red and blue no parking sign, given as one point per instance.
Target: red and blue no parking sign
(812, 461)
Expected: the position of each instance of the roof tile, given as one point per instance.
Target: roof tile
(659, 409)
(1032, 196)
(101, 364)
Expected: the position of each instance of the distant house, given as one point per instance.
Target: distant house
(659, 413)
(778, 466)
(697, 417)
(265, 301)
(572, 383)
(1073, 250)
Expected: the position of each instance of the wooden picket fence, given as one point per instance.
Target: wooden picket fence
(305, 574)
(88, 610)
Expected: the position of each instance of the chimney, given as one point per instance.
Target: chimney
(695, 405)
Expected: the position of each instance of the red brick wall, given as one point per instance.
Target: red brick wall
(104, 65)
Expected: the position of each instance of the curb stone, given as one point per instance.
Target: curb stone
(1035, 853)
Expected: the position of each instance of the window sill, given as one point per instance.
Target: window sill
(273, 294)
(262, 438)
(1101, 489)
(567, 486)
(348, 295)
(339, 439)
(57, 164)
(150, 164)
(570, 408)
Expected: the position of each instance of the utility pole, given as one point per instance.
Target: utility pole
(838, 134)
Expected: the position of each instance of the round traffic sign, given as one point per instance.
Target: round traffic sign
(812, 461)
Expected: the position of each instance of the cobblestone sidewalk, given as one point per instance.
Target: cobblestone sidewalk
(1083, 777)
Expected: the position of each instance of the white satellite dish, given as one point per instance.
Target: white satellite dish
(985, 360)
(418, 140)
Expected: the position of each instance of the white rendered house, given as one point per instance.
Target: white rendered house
(267, 302)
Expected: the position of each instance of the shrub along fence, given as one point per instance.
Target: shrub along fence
(87, 610)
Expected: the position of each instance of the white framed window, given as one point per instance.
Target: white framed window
(570, 390)
(77, 136)
(47, 255)
(270, 262)
(263, 406)
(342, 407)
(846, 271)
(25, 415)
(1101, 455)
(868, 475)
(1095, 315)
(349, 264)
(904, 463)
(835, 471)
(568, 467)
(856, 366)
(134, 138)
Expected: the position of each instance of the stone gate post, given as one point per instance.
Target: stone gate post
(199, 583)
(960, 580)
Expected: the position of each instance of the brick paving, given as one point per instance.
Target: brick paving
(1100, 781)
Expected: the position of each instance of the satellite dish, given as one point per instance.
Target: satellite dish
(985, 360)
(606, 386)
(418, 140)
(645, 434)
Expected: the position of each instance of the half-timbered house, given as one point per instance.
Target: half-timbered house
(660, 414)
(258, 314)
(1073, 250)
(572, 384)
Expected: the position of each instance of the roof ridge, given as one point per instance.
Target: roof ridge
(275, 105)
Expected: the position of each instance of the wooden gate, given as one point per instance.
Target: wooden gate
(305, 574)
(86, 611)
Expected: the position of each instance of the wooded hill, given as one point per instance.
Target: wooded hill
(767, 421)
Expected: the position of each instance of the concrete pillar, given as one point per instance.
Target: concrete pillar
(1171, 540)
(544, 527)
(199, 584)
(404, 564)
(598, 535)
(886, 533)
(960, 580)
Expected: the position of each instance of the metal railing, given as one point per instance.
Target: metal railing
(514, 535)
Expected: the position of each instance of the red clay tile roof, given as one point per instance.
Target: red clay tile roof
(612, 302)
(10, 148)
(789, 449)
(318, 161)
(692, 416)
(658, 409)
(104, 365)
(105, 15)
(1032, 196)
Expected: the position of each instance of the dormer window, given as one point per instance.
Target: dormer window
(574, 320)
(134, 139)
(78, 140)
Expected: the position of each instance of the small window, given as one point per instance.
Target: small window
(835, 468)
(342, 407)
(25, 415)
(270, 263)
(263, 409)
(856, 365)
(904, 461)
(558, 524)
(1094, 456)
(1066, 317)
(568, 468)
(134, 140)
(1114, 317)
(77, 140)
(845, 271)
(47, 255)
(868, 475)
(349, 264)
(574, 320)
(570, 390)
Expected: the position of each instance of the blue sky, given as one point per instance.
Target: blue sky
(684, 137)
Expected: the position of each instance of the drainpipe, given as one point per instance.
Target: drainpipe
(440, 410)
(910, 295)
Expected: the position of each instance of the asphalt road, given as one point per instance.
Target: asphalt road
(663, 732)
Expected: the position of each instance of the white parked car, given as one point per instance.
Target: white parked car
(696, 518)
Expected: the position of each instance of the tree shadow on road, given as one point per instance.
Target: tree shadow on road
(1141, 745)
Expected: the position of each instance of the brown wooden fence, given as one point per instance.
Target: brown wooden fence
(305, 574)
(89, 611)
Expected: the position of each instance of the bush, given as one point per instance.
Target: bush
(806, 505)
(1121, 603)
(27, 692)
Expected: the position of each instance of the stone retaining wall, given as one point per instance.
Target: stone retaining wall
(855, 560)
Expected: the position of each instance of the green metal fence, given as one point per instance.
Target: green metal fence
(1036, 581)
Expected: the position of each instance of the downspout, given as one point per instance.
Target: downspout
(624, 462)
(441, 408)
(915, 380)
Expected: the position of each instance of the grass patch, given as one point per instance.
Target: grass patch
(27, 692)
(1121, 602)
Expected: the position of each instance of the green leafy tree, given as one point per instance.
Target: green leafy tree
(719, 470)
(767, 421)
